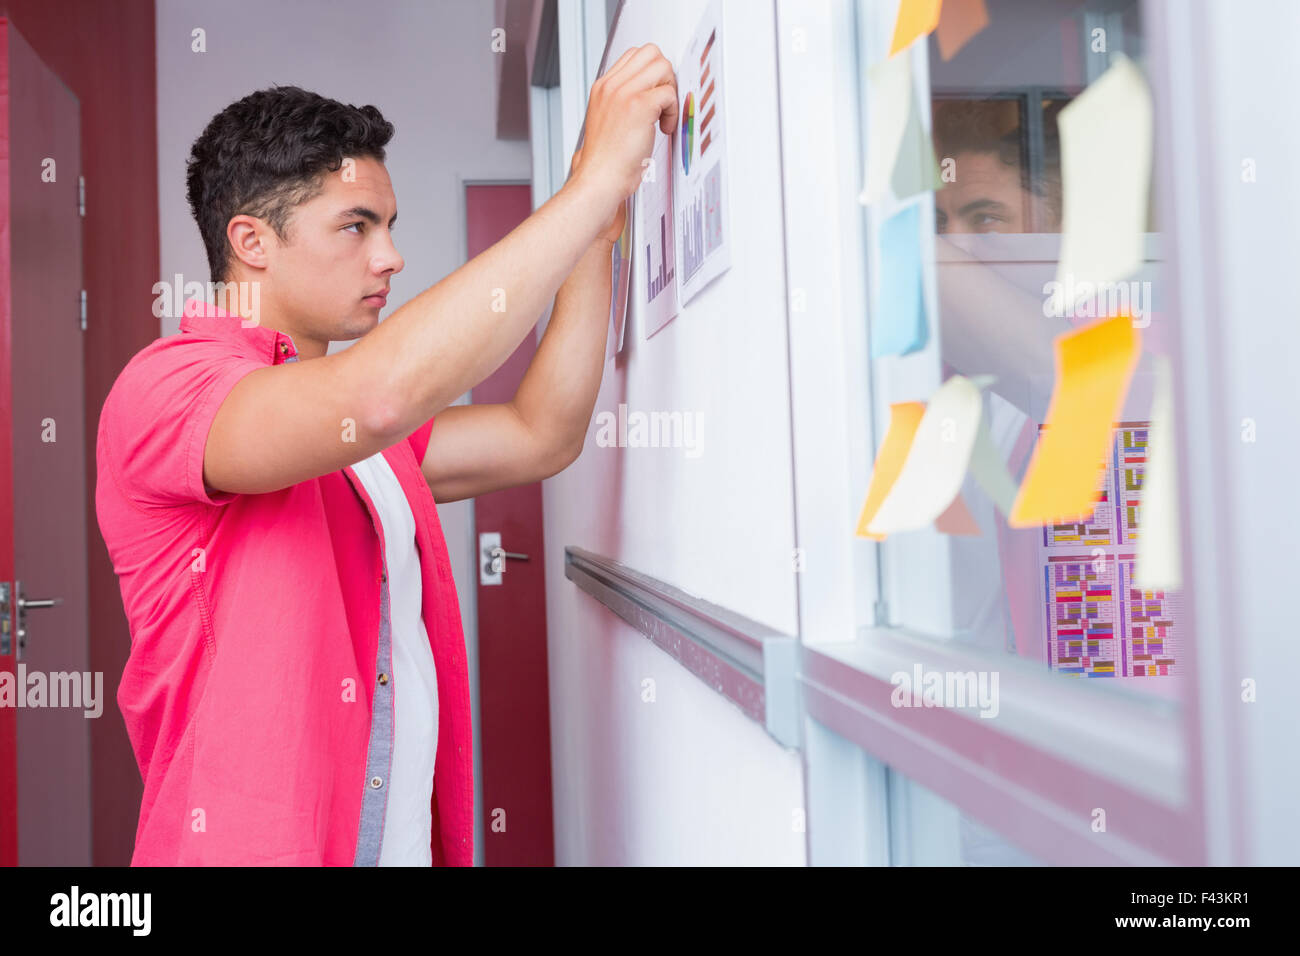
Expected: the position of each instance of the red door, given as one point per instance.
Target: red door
(514, 706)
(45, 740)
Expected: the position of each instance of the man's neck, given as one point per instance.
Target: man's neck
(244, 299)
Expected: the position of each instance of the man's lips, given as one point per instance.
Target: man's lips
(380, 298)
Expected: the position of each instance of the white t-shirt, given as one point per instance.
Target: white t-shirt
(407, 819)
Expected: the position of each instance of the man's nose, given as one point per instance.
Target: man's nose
(389, 260)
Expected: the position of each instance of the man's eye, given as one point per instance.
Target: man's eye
(351, 224)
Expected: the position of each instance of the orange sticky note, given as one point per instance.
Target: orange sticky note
(959, 21)
(904, 417)
(915, 18)
(957, 519)
(1094, 365)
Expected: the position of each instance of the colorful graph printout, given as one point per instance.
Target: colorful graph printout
(1097, 621)
(656, 265)
(1131, 461)
(1083, 624)
(700, 180)
(1151, 642)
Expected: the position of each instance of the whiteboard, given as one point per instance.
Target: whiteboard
(716, 520)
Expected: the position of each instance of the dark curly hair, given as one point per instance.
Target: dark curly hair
(982, 126)
(267, 153)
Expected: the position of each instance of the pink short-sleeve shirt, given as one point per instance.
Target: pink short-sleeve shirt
(257, 694)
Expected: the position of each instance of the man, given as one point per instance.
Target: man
(992, 322)
(297, 689)
(992, 188)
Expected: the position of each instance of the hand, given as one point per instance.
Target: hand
(627, 101)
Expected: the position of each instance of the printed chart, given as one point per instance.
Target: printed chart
(1097, 622)
(700, 177)
(656, 250)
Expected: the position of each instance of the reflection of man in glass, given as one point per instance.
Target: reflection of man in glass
(993, 325)
(990, 183)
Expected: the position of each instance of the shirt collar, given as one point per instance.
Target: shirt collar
(204, 317)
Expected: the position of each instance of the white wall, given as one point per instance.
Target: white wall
(427, 65)
(685, 779)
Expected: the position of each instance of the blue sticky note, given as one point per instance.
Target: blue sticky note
(899, 323)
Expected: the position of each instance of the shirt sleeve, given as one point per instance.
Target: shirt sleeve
(419, 440)
(155, 421)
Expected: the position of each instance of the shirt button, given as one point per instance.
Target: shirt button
(383, 576)
(376, 783)
(283, 348)
(383, 678)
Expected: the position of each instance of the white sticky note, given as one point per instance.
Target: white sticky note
(987, 466)
(889, 97)
(1105, 177)
(915, 168)
(1159, 565)
(990, 471)
(936, 463)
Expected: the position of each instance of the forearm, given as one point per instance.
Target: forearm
(454, 334)
(990, 325)
(558, 391)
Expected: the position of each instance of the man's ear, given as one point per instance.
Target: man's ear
(248, 240)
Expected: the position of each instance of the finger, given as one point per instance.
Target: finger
(644, 54)
(627, 65)
(618, 64)
(655, 73)
(643, 57)
(664, 100)
(668, 118)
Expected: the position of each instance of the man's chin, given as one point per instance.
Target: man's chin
(359, 325)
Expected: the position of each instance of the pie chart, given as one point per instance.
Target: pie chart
(688, 131)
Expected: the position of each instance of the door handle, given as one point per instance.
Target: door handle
(493, 558)
(22, 603)
(38, 602)
(497, 559)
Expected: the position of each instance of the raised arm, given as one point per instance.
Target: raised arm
(287, 423)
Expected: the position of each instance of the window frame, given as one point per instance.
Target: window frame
(1041, 797)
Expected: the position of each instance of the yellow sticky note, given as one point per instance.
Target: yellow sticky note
(959, 21)
(1094, 365)
(915, 18)
(904, 417)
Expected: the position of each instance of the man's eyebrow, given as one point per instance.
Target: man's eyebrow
(365, 213)
(982, 205)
